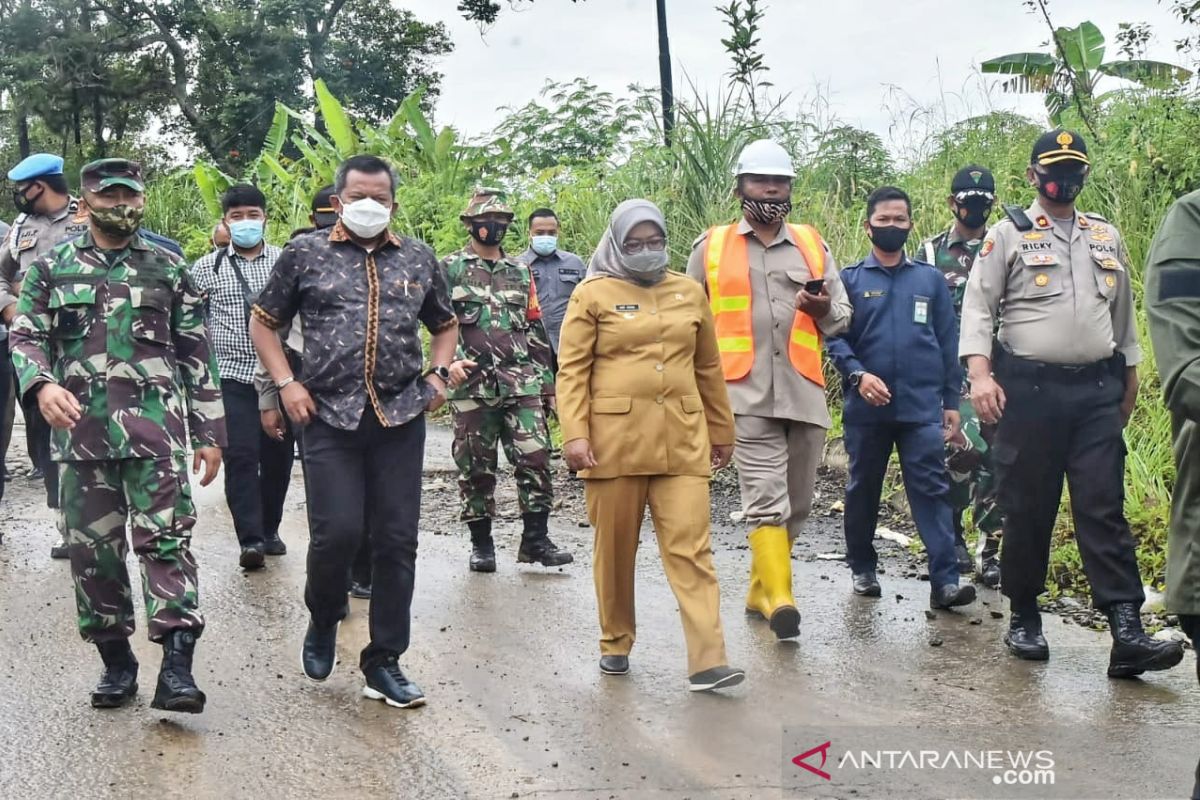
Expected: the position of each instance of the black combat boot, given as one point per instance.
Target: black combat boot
(483, 549)
(1024, 638)
(966, 564)
(1133, 652)
(536, 546)
(118, 682)
(177, 689)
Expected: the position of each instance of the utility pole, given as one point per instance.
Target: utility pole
(664, 73)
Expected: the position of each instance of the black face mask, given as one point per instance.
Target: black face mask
(973, 212)
(489, 231)
(889, 238)
(22, 202)
(1060, 186)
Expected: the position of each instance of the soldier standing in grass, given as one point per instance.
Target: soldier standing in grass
(968, 457)
(109, 338)
(502, 373)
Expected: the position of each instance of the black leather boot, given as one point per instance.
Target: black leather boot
(1024, 638)
(118, 682)
(1133, 652)
(536, 546)
(483, 549)
(177, 689)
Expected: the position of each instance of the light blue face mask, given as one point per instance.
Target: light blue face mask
(544, 245)
(246, 232)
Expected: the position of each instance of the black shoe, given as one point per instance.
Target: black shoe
(1133, 652)
(386, 682)
(275, 547)
(118, 682)
(966, 564)
(60, 550)
(36, 474)
(177, 689)
(614, 665)
(715, 678)
(990, 574)
(1024, 637)
(483, 549)
(949, 596)
(360, 591)
(319, 653)
(251, 558)
(866, 584)
(536, 546)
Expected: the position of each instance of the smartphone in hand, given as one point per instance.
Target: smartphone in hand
(814, 287)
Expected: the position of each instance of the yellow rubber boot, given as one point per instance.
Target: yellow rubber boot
(772, 565)
(756, 600)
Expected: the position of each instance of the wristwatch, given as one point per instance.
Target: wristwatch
(441, 372)
(856, 377)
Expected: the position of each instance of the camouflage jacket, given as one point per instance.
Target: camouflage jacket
(954, 256)
(124, 332)
(500, 327)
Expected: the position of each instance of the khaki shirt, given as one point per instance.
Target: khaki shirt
(31, 236)
(639, 377)
(774, 388)
(1059, 297)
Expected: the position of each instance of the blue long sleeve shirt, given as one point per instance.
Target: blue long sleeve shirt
(904, 332)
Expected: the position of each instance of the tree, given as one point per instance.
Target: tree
(1070, 74)
(742, 46)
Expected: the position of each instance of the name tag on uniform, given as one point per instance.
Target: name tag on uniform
(921, 310)
(628, 307)
(869, 295)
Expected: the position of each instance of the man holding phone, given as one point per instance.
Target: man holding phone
(775, 294)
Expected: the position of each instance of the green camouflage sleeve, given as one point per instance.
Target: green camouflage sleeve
(542, 355)
(197, 366)
(29, 336)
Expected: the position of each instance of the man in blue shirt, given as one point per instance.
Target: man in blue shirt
(901, 383)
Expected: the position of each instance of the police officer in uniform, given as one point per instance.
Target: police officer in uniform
(968, 455)
(1060, 379)
(48, 215)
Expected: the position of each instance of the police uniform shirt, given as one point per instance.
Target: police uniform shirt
(31, 236)
(555, 277)
(1061, 292)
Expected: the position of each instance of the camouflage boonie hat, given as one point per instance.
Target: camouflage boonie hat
(487, 201)
(99, 175)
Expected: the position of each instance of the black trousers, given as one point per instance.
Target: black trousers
(258, 469)
(372, 473)
(37, 442)
(1058, 424)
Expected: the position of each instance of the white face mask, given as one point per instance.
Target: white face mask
(366, 218)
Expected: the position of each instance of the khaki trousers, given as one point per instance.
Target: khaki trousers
(765, 445)
(679, 507)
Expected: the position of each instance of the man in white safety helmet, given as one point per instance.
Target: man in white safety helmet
(775, 294)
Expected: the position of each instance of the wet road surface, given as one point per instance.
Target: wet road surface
(517, 707)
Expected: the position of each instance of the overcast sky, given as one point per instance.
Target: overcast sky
(850, 52)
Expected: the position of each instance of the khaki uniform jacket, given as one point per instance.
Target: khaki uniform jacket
(639, 376)
(1173, 311)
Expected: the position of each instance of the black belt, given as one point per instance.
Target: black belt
(1014, 366)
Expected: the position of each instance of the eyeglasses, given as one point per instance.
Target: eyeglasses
(632, 246)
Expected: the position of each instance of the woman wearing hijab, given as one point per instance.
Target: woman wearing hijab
(645, 420)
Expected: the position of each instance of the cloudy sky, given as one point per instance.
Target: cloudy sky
(861, 56)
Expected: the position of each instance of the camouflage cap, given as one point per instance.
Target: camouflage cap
(487, 201)
(99, 175)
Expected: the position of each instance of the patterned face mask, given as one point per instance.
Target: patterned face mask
(122, 220)
(766, 211)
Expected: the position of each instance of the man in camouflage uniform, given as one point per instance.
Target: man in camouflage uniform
(109, 338)
(48, 215)
(503, 370)
(968, 455)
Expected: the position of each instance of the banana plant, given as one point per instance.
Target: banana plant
(1075, 68)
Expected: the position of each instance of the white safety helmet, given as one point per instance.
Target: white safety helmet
(764, 157)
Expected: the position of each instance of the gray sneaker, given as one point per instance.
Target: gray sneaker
(716, 678)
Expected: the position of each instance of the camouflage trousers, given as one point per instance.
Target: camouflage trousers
(156, 498)
(973, 478)
(519, 424)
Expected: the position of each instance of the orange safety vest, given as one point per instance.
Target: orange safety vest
(728, 267)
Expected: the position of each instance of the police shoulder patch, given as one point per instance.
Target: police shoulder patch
(988, 245)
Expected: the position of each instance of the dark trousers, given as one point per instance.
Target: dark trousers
(1063, 424)
(922, 463)
(372, 473)
(258, 468)
(6, 378)
(37, 441)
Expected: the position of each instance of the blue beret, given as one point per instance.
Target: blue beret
(37, 165)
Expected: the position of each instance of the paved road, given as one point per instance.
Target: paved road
(516, 706)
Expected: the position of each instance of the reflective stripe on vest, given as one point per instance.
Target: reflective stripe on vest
(727, 263)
